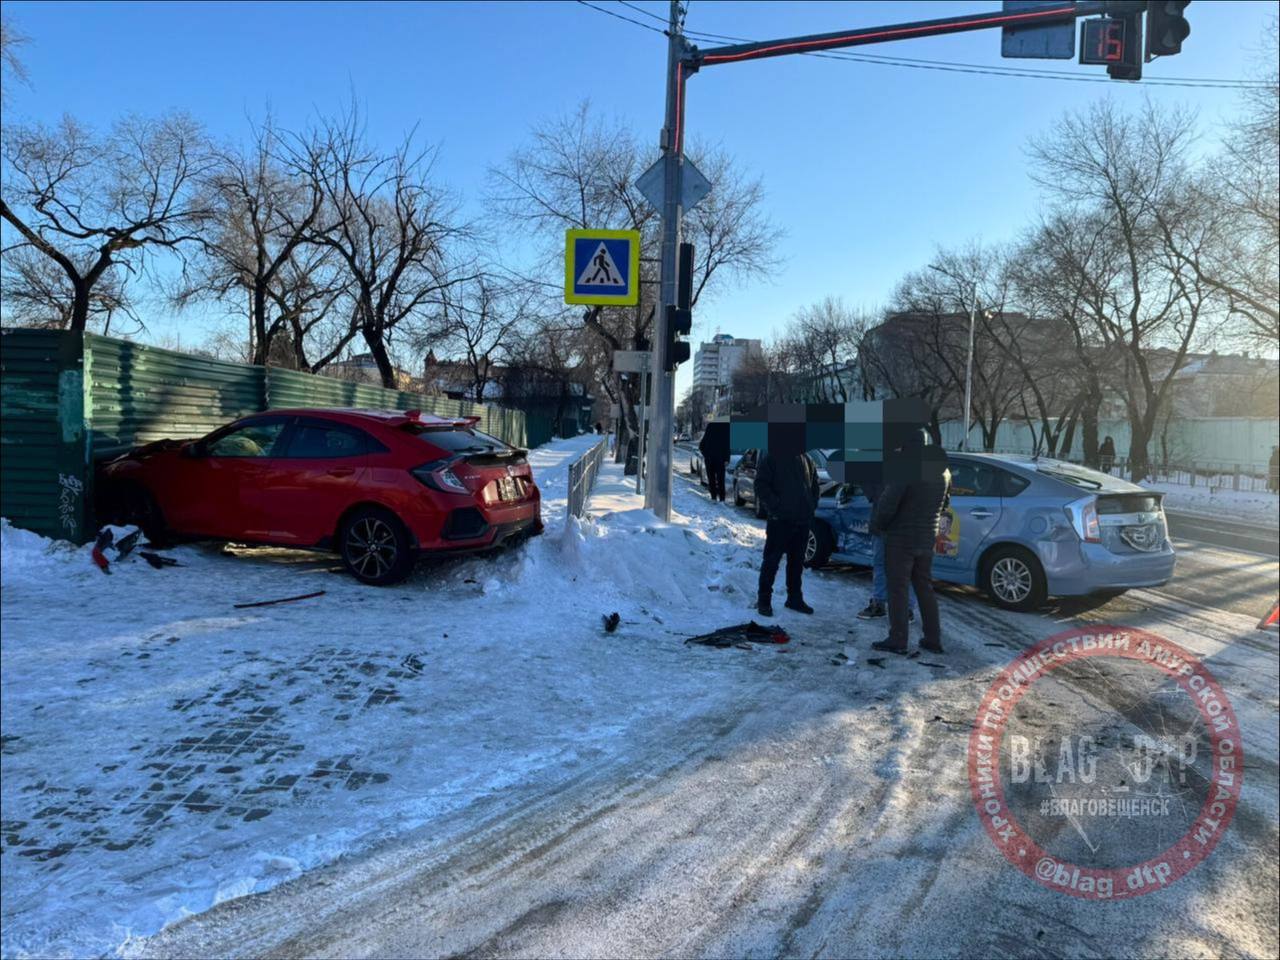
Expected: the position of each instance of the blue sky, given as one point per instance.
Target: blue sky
(867, 167)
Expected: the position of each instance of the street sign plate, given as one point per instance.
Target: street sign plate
(1047, 41)
(602, 267)
(693, 188)
(631, 361)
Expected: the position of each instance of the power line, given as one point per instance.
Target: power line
(621, 17)
(647, 13)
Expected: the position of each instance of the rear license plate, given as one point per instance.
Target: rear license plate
(508, 489)
(1146, 537)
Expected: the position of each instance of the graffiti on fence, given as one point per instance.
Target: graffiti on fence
(71, 490)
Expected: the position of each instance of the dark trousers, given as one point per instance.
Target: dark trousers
(912, 566)
(715, 479)
(783, 536)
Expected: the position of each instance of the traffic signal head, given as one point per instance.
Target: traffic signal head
(679, 323)
(1130, 65)
(1166, 27)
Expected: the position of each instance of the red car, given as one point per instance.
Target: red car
(379, 488)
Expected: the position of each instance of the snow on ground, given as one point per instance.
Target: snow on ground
(808, 800)
(1219, 500)
(164, 752)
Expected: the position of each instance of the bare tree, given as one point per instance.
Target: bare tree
(1232, 244)
(1126, 172)
(1062, 270)
(12, 40)
(477, 321)
(35, 295)
(266, 203)
(930, 316)
(91, 203)
(389, 225)
(826, 334)
(550, 360)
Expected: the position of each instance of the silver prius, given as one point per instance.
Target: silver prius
(1022, 529)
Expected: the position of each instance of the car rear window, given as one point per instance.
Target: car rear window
(1085, 478)
(458, 440)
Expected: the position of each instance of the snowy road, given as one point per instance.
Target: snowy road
(478, 768)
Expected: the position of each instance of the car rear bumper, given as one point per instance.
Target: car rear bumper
(467, 529)
(1095, 568)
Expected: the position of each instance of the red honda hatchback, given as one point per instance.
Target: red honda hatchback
(379, 488)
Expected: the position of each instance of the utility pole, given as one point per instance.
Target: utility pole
(968, 367)
(658, 486)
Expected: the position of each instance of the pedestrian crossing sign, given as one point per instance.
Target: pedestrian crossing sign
(602, 267)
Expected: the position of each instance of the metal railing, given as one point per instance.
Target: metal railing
(582, 477)
(1212, 475)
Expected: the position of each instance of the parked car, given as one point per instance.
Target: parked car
(380, 488)
(744, 482)
(744, 479)
(1023, 529)
(698, 469)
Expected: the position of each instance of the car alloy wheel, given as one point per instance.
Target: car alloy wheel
(1011, 579)
(810, 547)
(371, 547)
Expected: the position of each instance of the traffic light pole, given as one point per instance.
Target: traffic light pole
(657, 487)
(683, 60)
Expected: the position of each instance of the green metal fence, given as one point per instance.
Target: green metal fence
(44, 448)
(72, 400)
(136, 394)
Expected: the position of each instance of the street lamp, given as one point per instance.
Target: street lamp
(968, 366)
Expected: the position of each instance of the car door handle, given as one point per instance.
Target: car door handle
(980, 513)
(341, 471)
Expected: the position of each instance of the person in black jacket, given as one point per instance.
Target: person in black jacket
(906, 515)
(1107, 455)
(714, 447)
(787, 489)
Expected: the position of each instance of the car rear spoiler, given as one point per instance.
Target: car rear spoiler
(415, 415)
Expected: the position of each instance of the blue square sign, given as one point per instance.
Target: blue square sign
(602, 267)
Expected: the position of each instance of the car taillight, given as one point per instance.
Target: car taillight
(1084, 519)
(438, 476)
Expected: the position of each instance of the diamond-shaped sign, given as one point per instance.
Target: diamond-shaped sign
(693, 188)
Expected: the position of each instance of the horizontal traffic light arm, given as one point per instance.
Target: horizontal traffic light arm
(1058, 13)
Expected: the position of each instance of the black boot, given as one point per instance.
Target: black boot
(887, 646)
(798, 605)
(764, 607)
(872, 611)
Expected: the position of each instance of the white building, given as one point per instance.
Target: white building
(715, 362)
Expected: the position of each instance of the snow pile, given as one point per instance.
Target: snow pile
(1221, 501)
(28, 558)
